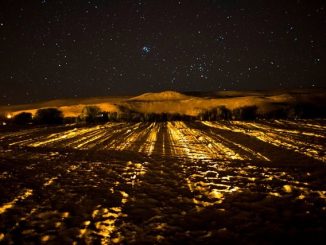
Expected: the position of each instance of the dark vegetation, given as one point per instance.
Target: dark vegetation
(48, 116)
(23, 118)
(218, 113)
(93, 115)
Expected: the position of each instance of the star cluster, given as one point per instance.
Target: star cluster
(55, 49)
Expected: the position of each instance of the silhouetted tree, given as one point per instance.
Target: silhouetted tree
(49, 116)
(69, 120)
(91, 114)
(307, 110)
(245, 113)
(104, 117)
(22, 118)
(113, 116)
(217, 113)
(135, 117)
(278, 113)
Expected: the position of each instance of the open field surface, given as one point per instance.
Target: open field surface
(143, 183)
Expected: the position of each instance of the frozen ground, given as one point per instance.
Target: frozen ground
(143, 183)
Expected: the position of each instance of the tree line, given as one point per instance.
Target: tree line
(93, 114)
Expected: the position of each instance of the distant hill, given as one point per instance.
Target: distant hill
(165, 95)
(190, 103)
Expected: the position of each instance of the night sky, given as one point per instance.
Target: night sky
(60, 49)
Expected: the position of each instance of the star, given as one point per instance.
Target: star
(218, 39)
(146, 49)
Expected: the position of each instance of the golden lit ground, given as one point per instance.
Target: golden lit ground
(174, 182)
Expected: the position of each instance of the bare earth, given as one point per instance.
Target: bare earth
(165, 183)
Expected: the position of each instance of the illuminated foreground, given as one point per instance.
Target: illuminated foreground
(198, 182)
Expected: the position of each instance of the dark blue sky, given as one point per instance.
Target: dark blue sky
(58, 49)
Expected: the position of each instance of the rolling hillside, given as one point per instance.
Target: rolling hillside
(182, 103)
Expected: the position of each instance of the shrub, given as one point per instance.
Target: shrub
(276, 113)
(91, 114)
(23, 118)
(49, 116)
(306, 110)
(217, 113)
(112, 116)
(104, 117)
(245, 113)
(69, 120)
